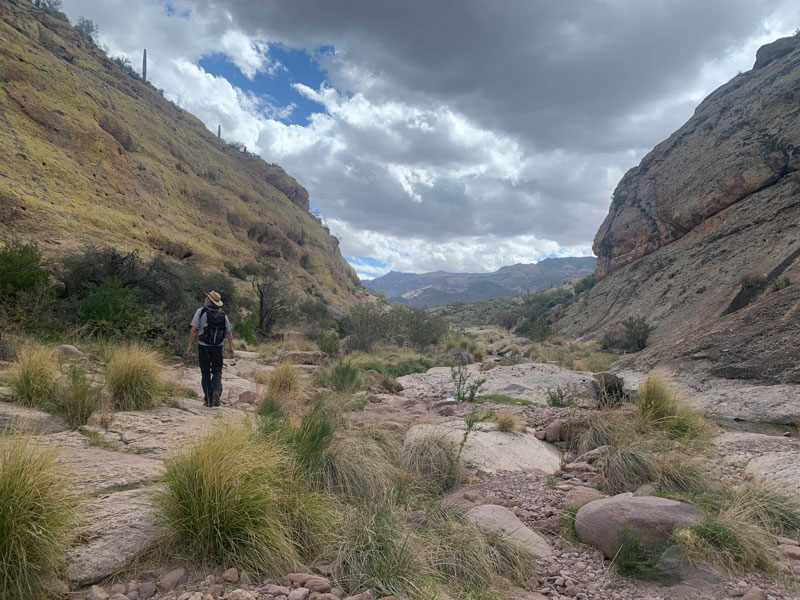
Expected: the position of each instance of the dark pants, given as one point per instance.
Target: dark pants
(210, 359)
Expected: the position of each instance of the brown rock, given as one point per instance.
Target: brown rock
(277, 590)
(299, 578)
(231, 575)
(172, 579)
(96, 593)
(368, 595)
(580, 495)
(788, 551)
(553, 431)
(318, 584)
(755, 594)
(651, 519)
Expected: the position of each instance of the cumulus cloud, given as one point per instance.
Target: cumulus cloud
(460, 134)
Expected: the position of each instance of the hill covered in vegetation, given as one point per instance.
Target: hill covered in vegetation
(91, 154)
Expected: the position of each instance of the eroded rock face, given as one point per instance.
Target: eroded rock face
(715, 201)
(650, 519)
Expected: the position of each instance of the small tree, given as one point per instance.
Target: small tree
(87, 29)
(274, 300)
(366, 324)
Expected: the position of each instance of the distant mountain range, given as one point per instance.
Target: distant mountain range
(435, 289)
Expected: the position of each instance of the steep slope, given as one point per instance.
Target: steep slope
(89, 154)
(440, 287)
(703, 236)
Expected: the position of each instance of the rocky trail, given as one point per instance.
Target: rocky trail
(516, 483)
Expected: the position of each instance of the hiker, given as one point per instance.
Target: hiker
(214, 326)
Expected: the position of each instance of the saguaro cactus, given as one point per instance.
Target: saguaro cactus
(219, 130)
(144, 65)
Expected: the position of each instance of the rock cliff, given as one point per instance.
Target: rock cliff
(91, 154)
(703, 237)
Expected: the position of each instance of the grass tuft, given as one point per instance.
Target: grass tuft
(224, 502)
(508, 422)
(37, 517)
(659, 407)
(343, 377)
(434, 460)
(33, 378)
(625, 470)
(133, 376)
(80, 398)
(283, 381)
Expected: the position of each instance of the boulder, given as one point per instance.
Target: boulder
(553, 431)
(491, 451)
(500, 520)
(777, 467)
(650, 519)
(67, 352)
(14, 416)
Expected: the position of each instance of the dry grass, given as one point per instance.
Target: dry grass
(508, 422)
(37, 517)
(433, 459)
(660, 408)
(33, 378)
(133, 376)
(283, 382)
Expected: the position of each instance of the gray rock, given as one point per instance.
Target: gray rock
(96, 593)
(14, 416)
(672, 565)
(276, 590)
(299, 594)
(498, 519)
(580, 495)
(777, 467)
(553, 431)
(245, 595)
(650, 519)
(147, 589)
(755, 594)
(231, 575)
(67, 352)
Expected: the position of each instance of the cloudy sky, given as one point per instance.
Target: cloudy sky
(449, 134)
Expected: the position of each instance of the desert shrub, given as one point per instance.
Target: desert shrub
(133, 376)
(79, 399)
(223, 502)
(37, 517)
(21, 270)
(637, 331)
(434, 460)
(366, 324)
(328, 342)
(508, 422)
(283, 381)
(342, 377)
(419, 327)
(33, 378)
(234, 271)
(660, 408)
(244, 328)
(112, 311)
(561, 398)
(585, 284)
(780, 283)
(407, 367)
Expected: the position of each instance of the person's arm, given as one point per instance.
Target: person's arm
(230, 343)
(192, 335)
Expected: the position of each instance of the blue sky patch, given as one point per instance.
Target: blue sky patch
(299, 67)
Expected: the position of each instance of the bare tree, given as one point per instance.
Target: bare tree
(275, 302)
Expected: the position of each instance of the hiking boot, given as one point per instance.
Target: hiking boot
(215, 400)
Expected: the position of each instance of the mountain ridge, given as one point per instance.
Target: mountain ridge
(441, 287)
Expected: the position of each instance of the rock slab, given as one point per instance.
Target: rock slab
(498, 519)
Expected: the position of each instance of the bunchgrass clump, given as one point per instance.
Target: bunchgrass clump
(283, 381)
(508, 422)
(133, 376)
(342, 377)
(33, 378)
(358, 468)
(79, 399)
(224, 501)
(659, 407)
(328, 342)
(434, 460)
(626, 470)
(37, 517)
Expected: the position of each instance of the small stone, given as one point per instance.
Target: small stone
(118, 597)
(96, 593)
(245, 578)
(216, 590)
(132, 595)
(56, 587)
(118, 588)
(171, 579)
(318, 584)
(299, 578)
(368, 595)
(147, 589)
(242, 595)
(755, 594)
(277, 590)
(792, 552)
(299, 594)
(231, 575)
(784, 541)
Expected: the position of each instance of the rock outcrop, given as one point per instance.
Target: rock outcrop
(703, 237)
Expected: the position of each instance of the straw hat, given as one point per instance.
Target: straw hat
(215, 298)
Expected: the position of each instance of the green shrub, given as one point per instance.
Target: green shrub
(342, 377)
(244, 329)
(79, 399)
(561, 398)
(21, 271)
(37, 517)
(112, 311)
(419, 327)
(328, 342)
(33, 378)
(366, 324)
(133, 376)
(223, 502)
(632, 339)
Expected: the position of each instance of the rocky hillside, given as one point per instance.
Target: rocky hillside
(440, 287)
(703, 237)
(90, 154)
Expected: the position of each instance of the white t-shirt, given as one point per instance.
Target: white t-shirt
(201, 321)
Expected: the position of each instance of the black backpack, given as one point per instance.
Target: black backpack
(216, 326)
